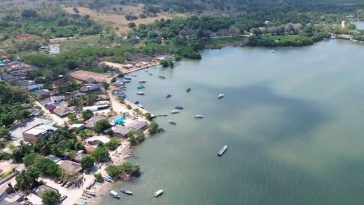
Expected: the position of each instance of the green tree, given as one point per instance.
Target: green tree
(27, 180)
(87, 162)
(112, 144)
(30, 159)
(153, 127)
(136, 137)
(87, 114)
(50, 197)
(100, 154)
(101, 126)
(98, 177)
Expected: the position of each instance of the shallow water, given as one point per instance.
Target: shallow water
(293, 121)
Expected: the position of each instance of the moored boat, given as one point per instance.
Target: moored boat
(127, 78)
(161, 77)
(140, 87)
(136, 102)
(172, 122)
(188, 90)
(168, 95)
(220, 96)
(174, 111)
(114, 194)
(179, 108)
(142, 81)
(158, 193)
(140, 93)
(222, 150)
(141, 106)
(125, 191)
(199, 116)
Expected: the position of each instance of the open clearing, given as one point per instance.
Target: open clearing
(118, 20)
(82, 75)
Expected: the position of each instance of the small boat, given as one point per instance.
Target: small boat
(222, 150)
(168, 96)
(220, 96)
(273, 51)
(114, 194)
(136, 102)
(127, 78)
(162, 115)
(199, 116)
(174, 111)
(134, 76)
(140, 93)
(108, 179)
(92, 193)
(172, 122)
(188, 90)
(150, 74)
(158, 193)
(179, 108)
(161, 77)
(141, 106)
(125, 191)
(142, 81)
(140, 87)
(126, 81)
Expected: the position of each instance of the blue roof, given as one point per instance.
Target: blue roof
(119, 120)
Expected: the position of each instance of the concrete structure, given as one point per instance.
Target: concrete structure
(58, 99)
(39, 132)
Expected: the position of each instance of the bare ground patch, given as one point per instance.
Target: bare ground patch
(82, 75)
(118, 20)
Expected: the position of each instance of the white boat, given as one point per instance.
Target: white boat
(92, 193)
(174, 111)
(140, 93)
(125, 191)
(158, 193)
(222, 150)
(141, 106)
(199, 116)
(220, 96)
(114, 194)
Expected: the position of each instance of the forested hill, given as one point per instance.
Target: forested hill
(235, 5)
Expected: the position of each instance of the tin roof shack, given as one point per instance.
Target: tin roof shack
(41, 189)
(71, 168)
(58, 99)
(92, 87)
(13, 199)
(138, 125)
(20, 69)
(90, 123)
(39, 132)
(121, 131)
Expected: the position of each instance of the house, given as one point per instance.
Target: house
(138, 125)
(34, 199)
(42, 93)
(70, 167)
(34, 87)
(91, 87)
(41, 189)
(76, 127)
(13, 199)
(20, 69)
(54, 158)
(121, 131)
(58, 99)
(39, 132)
(63, 110)
(90, 123)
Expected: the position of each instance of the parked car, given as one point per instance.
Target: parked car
(68, 184)
(62, 198)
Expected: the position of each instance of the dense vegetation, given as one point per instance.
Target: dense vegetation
(125, 168)
(46, 22)
(11, 100)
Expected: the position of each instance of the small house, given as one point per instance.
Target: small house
(58, 99)
(121, 131)
(39, 132)
(63, 110)
(138, 125)
(70, 167)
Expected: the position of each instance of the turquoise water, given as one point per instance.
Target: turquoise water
(359, 25)
(293, 121)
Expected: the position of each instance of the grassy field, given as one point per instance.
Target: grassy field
(117, 20)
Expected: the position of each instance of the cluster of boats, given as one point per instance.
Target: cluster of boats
(116, 195)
